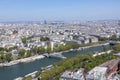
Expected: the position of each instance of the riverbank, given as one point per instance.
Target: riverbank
(22, 69)
(109, 51)
(50, 66)
(84, 47)
(29, 59)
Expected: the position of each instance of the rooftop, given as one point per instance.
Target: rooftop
(96, 73)
(73, 75)
(110, 64)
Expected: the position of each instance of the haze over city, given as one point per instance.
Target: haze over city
(65, 10)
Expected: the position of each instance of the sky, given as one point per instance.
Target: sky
(35, 10)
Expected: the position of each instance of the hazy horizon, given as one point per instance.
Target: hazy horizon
(59, 10)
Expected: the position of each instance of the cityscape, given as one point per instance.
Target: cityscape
(59, 40)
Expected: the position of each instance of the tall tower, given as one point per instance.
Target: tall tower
(45, 22)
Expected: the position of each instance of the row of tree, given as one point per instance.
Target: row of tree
(8, 49)
(67, 46)
(25, 39)
(114, 37)
(117, 47)
(37, 75)
(24, 53)
(61, 47)
(6, 57)
(5, 54)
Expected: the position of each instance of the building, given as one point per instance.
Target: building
(85, 41)
(93, 39)
(78, 74)
(106, 71)
(97, 73)
(113, 66)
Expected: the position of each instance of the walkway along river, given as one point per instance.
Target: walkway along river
(12, 72)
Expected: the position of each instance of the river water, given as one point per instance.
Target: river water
(12, 72)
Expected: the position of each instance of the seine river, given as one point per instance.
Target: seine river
(12, 72)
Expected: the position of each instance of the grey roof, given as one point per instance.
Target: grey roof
(73, 75)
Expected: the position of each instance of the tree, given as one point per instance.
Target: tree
(67, 46)
(1, 52)
(40, 50)
(2, 49)
(44, 39)
(21, 54)
(12, 48)
(103, 39)
(34, 50)
(48, 50)
(15, 32)
(2, 58)
(116, 47)
(28, 53)
(9, 57)
(24, 40)
(118, 72)
(37, 74)
(27, 78)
